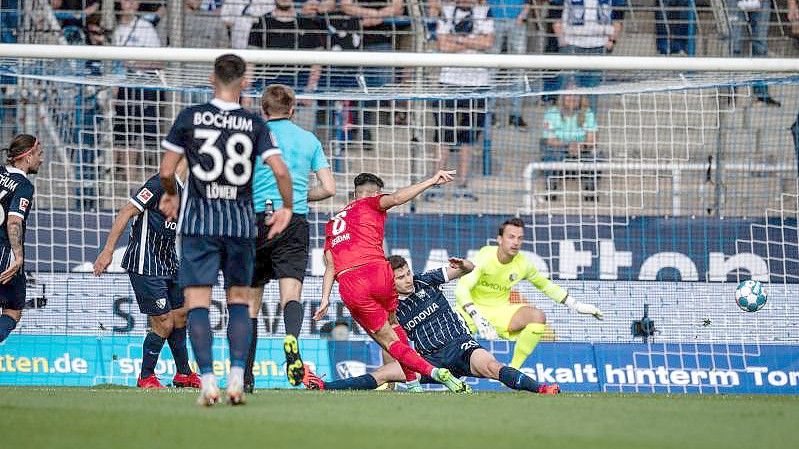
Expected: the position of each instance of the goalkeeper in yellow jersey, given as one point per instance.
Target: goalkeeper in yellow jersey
(483, 296)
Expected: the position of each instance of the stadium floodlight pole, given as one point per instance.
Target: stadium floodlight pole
(405, 59)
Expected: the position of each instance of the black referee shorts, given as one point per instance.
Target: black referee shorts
(285, 256)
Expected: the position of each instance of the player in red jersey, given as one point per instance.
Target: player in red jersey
(354, 256)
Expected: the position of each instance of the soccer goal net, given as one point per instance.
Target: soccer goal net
(649, 187)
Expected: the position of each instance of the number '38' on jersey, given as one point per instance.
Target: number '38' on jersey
(222, 142)
(16, 198)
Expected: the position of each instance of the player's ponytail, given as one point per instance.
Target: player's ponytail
(20, 146)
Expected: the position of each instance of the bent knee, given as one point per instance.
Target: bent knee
(538, 316)
(162, 324)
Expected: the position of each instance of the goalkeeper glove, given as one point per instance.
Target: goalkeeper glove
(484, 328)
(580, 307)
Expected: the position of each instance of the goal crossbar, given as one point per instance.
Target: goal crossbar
(403, 59)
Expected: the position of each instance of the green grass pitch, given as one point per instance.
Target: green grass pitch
(129, 418)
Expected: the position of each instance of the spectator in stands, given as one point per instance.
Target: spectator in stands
(89, 115)
(378, 34)
(239, 16)
(153, 11)
(570, 134)
(464, 26)
(754, 16)
(202, 29)
(675, 27)
(136, 109)
(588, 27)
(510, 33)
(287, 28)
(85, 7)
(551, 82)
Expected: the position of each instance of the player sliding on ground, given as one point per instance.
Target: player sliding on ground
(25, 156)
(221, 142)
(483, 296)
(152, 265)
(437, 333)
(354, 256)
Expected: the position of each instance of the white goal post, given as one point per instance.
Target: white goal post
(405, 59)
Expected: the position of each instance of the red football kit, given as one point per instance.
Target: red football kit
(354, 236)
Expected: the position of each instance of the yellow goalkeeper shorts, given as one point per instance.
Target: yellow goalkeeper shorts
(499, 316)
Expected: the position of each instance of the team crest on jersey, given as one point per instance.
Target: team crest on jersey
(161, 303)
(144, 195)
(513, 277)
(23, 204)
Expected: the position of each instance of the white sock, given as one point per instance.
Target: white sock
(208, 379)
(236, 374)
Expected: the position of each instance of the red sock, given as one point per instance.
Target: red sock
(409, 373)
(410, 359)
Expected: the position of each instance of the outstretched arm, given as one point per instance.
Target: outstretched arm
(458, 267)
(558, 294)
(127, 212)
(406, 194)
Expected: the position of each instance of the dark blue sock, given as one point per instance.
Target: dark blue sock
(150, 350)
(365, 382)
(239, 332)
(517, 380)
(7, 324)
(201, 339)
(177, 344)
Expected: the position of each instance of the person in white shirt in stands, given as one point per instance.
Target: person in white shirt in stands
(589, 27)
(239, 16)
(464, 26)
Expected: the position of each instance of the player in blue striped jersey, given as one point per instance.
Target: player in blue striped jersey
(152, 265)
(222, 142)
(25, 156)
(438, 334)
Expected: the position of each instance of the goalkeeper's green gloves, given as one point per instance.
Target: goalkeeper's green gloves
(583, 308)
(484, 328)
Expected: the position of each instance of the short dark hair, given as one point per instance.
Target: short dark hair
(368, 178)
(518, 222)
(229, 68)
(397, 262)
(19, 146)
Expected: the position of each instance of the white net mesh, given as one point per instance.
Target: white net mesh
(690, 184)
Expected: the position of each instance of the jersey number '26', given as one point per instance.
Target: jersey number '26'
(234, 157)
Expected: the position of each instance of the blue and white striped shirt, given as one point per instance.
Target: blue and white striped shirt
(222, 142)
(427, 316)
(16, 198)
(151, 246)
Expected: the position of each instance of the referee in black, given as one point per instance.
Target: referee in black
(285, 256)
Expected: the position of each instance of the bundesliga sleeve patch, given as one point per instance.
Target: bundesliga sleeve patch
(23, 204)
(144, 195)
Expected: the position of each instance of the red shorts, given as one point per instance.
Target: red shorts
(368, 292)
